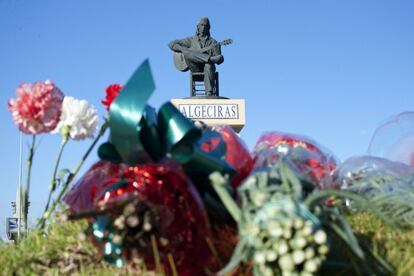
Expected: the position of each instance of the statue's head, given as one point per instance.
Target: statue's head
(203, 26)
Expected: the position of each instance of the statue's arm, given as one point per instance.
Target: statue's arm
(216, 56)
(176, 45)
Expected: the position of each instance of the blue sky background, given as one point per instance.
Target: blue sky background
(331, 70)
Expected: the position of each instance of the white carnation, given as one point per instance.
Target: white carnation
(78, 119)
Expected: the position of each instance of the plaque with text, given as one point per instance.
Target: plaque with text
(214, 111)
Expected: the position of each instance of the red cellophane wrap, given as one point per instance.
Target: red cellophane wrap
(83, 193)
(314, 161)
(183, 226)
(237, 154)
(239, 158)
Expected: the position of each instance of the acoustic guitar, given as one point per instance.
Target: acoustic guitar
(179, 60)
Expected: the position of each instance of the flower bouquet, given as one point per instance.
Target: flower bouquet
(183, 199)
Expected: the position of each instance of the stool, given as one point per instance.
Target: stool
(197, 84)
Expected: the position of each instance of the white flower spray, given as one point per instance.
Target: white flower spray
(78, 121)
(278, 233)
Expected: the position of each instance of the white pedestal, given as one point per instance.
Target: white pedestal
(214, 112)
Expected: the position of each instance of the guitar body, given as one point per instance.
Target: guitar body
(179, 62)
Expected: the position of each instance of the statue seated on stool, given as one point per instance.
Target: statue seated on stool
(199, 53)
(197, 86)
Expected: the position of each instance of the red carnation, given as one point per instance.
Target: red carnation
(112, 91)
(37, 107)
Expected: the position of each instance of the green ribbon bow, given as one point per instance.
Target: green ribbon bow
(138, 135)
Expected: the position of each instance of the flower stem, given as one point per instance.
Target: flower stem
(49, 211)
(85, 156)
(25, 202)
(53, 180)
(156, 253)
(313, 199)
(219, 183)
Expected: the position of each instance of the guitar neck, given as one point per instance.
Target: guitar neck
(225, 42)
(205, 49)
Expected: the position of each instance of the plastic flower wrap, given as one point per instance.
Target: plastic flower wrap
(388, 185)
(237, 154)
(37, 108)
(223, 143)
(82, 195)
(163, 219)
(79, 119)
(394, 139)
(314, 161)
(285, 226)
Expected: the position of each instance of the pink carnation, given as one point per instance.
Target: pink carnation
(37, 107)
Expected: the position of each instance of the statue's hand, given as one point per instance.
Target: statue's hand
(175, 46)
(216, 59)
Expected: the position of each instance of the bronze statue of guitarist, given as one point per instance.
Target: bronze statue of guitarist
(199, 53)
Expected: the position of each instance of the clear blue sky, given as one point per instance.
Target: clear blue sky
(331, 70)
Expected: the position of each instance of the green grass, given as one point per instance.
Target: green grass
(396, 246)
(63, 251)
